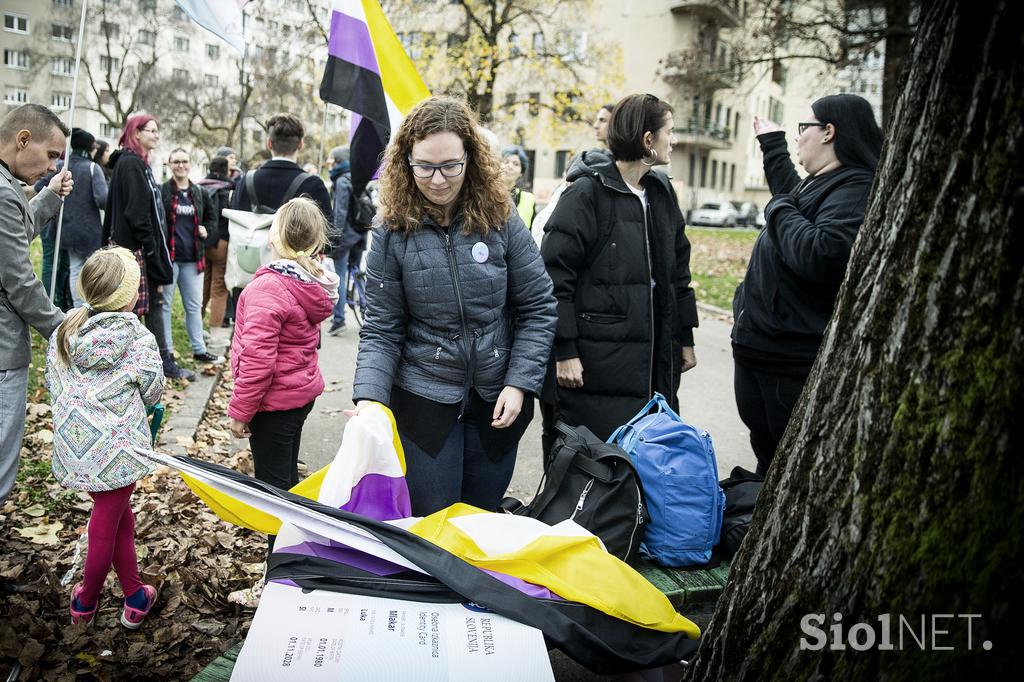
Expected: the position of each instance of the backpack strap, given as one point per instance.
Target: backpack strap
(250, 190)
(608, 210)
(293, 188)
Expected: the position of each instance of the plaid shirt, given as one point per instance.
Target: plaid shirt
(172, 216)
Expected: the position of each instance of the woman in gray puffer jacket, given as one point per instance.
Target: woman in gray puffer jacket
(460, 313)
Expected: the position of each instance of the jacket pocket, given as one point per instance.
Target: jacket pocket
(602, 318)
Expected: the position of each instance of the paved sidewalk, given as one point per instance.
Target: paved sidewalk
(706, 400)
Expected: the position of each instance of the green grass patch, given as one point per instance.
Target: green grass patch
(718, 262)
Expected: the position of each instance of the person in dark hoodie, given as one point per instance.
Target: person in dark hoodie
(798, 262)
(617, 252)
(218, 185)
(135, 219)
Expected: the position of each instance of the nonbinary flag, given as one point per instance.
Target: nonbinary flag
(223, 18)
(369, 74)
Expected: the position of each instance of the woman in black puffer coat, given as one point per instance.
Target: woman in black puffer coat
(618, 256)
(786, 298)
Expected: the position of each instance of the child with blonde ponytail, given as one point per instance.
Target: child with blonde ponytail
(103, 368)
(274, 348)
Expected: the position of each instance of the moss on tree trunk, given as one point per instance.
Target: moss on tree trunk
(899, 485)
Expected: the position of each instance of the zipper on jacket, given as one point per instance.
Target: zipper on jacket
(468, 352)
(583, 498)
(437, 355)
(650, 299)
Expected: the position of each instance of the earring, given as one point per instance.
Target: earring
(654, 157)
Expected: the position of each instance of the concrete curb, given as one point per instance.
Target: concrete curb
(715, 310)
(179, 428)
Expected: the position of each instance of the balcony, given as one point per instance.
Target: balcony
(699, 68)
(724, 13)
(703, 134)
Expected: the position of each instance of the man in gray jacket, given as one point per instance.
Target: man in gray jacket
(32, 138)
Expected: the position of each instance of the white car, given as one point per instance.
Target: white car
(715, 213)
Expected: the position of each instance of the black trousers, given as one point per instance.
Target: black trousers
(765, 399)
(274, 442)
(155, 318)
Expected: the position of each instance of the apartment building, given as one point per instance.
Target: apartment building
(130, 44)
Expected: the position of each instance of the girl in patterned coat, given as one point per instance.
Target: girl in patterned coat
(103, 368)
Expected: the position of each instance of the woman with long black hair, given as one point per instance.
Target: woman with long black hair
(785, 301)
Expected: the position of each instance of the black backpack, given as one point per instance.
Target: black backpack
(741, 491)
(593, 483)
(361, 211)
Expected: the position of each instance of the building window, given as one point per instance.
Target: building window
(211, 80)
(179, 14)
(61, 32)
(64, 4)
(693, 169)
(16, 96)
(16, 59)
(179, 74)
(109, 131)
(562, 157)
(112, 64)
(147, 37)
(147, 5)
(534, 100)
(213, 51)
(110, 29)
(732, 178)
(106, 97)
(62, 66)
(180, 44)
(15, 23)
(714, 172)
(60, 100)
(774, 110)
(538, 42)
(703, 171)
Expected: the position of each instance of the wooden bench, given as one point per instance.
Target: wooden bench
(687, 590)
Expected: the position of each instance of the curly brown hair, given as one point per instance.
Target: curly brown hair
(484, 202)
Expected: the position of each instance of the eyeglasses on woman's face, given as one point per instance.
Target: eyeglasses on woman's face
(804, 125)
(451, 169)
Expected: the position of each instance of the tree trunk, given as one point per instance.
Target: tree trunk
(897, 488)
(897, 50)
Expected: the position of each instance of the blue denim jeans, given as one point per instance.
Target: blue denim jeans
(461, 472)
(76, 259)
(13, 392)
(340, 267)
(189, 281)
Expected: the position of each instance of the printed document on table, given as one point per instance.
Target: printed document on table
(321, 635)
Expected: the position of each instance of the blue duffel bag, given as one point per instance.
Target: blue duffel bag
(677, 467)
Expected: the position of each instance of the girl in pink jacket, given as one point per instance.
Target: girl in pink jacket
(274, 349)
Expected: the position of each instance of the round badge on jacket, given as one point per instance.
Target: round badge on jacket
(480, 252)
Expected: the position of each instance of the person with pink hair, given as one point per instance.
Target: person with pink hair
(135, 220)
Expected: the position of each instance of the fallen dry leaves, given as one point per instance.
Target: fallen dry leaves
(184, 549)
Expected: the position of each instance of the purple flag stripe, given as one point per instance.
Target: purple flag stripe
(529, 589)
(380, 497)
(345, 555)
(350, 40)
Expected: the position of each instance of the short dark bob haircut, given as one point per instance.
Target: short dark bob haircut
(633, 116)
(858, 138)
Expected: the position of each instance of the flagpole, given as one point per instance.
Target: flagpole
(323, 134)
(241, 96)
(67, 148)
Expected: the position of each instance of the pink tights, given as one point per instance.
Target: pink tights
(111, 541)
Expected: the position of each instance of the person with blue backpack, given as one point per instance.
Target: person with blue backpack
(617, 253)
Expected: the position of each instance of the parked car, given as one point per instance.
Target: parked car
(759, 220)
(747, 213)
(715, 213)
